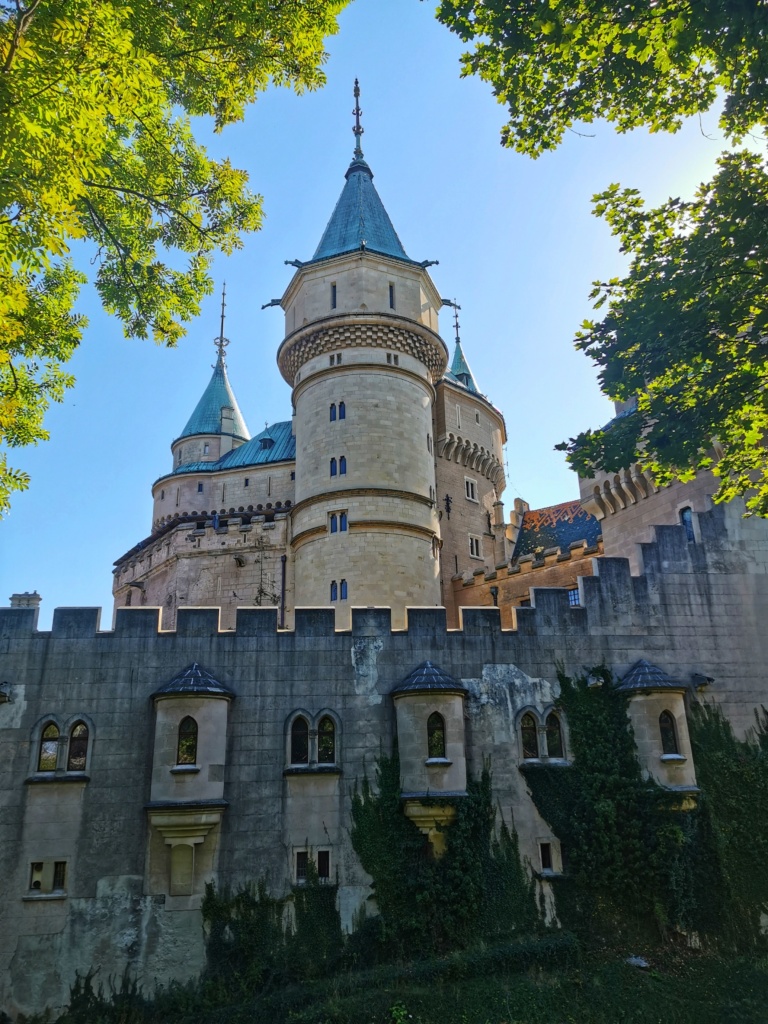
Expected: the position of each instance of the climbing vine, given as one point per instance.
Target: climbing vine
(478, 889)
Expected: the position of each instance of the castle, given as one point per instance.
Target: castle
(306, 596)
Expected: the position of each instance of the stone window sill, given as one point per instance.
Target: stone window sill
(557, 762)
(439, 762)
(673, 759)
(314, 769)
(550, 873)
(185, 769)
(32, 897)
(57, 777)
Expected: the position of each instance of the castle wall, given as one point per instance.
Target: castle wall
(699, 609)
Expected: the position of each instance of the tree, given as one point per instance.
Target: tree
(685, 330)
(96, 145)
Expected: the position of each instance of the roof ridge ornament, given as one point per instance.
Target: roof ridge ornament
(358, 128)
(221, 342)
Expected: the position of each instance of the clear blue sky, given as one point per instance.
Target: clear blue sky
(517, 245)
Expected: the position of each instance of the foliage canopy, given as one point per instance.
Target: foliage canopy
(96, 145)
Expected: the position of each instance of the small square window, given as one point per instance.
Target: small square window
(573, 597)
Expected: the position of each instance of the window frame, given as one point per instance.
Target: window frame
(670, 733)
(297, 719)
(470, 489)
(437, 737)
(529, 753)
(49, 723)
(70, 736)
(475, 546)
(195, 735)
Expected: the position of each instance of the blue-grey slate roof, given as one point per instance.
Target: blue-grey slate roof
(194, 680)
(252, 453)
(359, 219)
(428, 676)
(645, 676)
(206, 419)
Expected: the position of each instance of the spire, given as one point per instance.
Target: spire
(208, 417)
(459, 365)
(359, 220)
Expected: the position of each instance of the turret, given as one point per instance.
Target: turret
(362, 355)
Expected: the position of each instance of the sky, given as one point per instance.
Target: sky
(518, 249)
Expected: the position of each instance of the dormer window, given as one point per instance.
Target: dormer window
(265, 443)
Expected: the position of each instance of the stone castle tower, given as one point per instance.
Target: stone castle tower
(385, 484)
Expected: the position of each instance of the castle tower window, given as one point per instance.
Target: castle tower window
(186, 751)
(686, 519)
(545, 852)
(300, 741)
(200, 488)
(554, 737)
(343, 590)
(302, 860)
(343, 466)
(333, 296)
(333, 412)
(326, 741)
(391, 296)
(128, 598)
(206, 448)
(342, 411)
(470, 489)
(529, 734)
(342, 522)
(247, 482)
(78, 747)
(334, 522)
(333, 467)
(59, 875)
(474, 547)
(324, 865)
(49, 749)
(436, 735)
(162, 495)
(668, 733)
(334, 591)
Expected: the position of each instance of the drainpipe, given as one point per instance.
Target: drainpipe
(283, 560)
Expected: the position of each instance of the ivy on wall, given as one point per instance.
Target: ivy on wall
(478, 889)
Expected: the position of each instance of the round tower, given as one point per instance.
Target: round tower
(362, 355)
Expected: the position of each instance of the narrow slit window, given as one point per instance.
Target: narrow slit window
(333, 296)
(334, 523)
(343, 590)
(333, 467)
(436, 735)
(300, 741)
(555, 747)
(199, 488)
(334, 591)
(343, 466)
(78, 748)
(545, 851)
(391, 296)
(342, 411)
(333, 412)
(186, 752)
(343, 522)
(668, 733)
(530, 736)
(49, 748)
(326, 741)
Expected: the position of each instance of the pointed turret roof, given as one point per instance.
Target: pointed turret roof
(359, 220)
(460, 369)
(206, 419)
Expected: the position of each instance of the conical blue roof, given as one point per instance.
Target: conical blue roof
(359, 220)
(460, 369)
(206, 419)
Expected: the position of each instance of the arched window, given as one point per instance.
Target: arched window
(668, 733)
(78, 747)
(326, 741)
(686, 518)
(300, 741)
(342, 521)
(333, 412)
(343, 465)
(343, 590)
(529, 732)
(342, 411)
(334, 591)
(49, 749)
(186, 752)
(554, 736)
(333, 467)
(436, 735)
(334, 523)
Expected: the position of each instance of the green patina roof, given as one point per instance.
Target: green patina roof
(359, 220)
(206, 419)
(460, 370)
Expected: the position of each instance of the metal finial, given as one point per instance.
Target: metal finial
(358, 129)
(456, 308)
(221, 342)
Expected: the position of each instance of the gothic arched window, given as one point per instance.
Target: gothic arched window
(342, 521)
(529, 733)
(326, 741)
(333, 467)
(49, 748)
(186, 751)
(334, 523)
(555, 746)
(668, 733)
(436, 735)
(333, 411)
(343, 465)
(334, 591)
(342, 411)
(78, 747)
(343, 590)
(300, 741)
